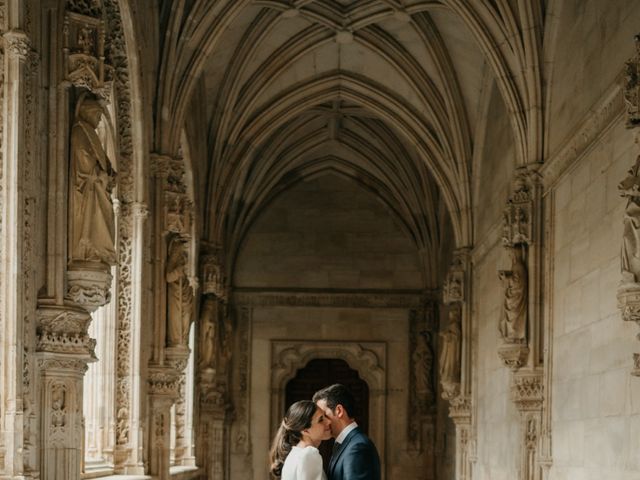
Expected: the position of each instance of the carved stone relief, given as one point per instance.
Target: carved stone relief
(632, 86)
(629, 288)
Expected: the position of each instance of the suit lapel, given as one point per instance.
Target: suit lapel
(341, 448)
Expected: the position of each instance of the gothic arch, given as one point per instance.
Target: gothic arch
(368, 358)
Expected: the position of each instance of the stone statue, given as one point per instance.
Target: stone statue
(92, 179)
(179, 294)
(423, 369)
(630, 254)
(513, 319)
(632, 86)
(209, 334)
(450, 354)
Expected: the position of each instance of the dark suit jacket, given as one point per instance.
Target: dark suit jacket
(355, 459)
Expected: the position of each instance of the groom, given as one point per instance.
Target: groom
(354, 456)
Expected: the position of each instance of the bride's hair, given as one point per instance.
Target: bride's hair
(298, 418)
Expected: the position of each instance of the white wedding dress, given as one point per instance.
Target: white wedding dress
(303, 464)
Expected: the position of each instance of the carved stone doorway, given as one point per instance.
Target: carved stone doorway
(321, 372)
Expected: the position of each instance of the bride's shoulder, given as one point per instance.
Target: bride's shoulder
(310, 450)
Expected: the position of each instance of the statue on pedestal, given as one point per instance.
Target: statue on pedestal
(630, 254)
(92, 179)
(450, 355)
(513, 318)
(179, 294)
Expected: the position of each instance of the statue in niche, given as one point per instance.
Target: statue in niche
(179, 294)
(632, 86)
(450, 354)
(423, 369)
(58, 407)
(630, 254)
(209, 334)
(92, 179)
(513, 318)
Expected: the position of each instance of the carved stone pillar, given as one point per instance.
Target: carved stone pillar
(216, 332)
(455, 358)
(63, 350)
(522, 319)
(163, 391)
(213, 431)
(15, 139)
(629, 289)
(422, 396)
(527, 391)
(460, 413)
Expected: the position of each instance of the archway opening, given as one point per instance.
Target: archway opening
(321, 372)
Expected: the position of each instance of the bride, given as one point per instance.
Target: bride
(294, 454)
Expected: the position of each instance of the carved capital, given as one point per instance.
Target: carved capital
(518, 222)
(513, 355)
(178, 357)
(527, 391)
(63, 330)
(164, 382)
(460, 409)
(17, 44)
(629, 302)
(57, 364)
(90, 287)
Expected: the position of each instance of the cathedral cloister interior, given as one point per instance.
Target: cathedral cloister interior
(209, 209)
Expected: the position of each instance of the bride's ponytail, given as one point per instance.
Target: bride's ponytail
(289, 433)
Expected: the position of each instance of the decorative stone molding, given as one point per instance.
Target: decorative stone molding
(453, 290)
(84, 50)
(163, 382)
(89, 288)
(64, 331)
(514, 356)
(460, 409)
(593, 125)
(17, 44)
(177, 357)
(527, 390)
(212, 272)
(518, 217)
(329, 299)
(632, 87)
(636, 363)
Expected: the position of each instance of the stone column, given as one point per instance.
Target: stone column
(460, 413)
(213, 435)
(527, 392)
(455, 367)
(13, 182)
(163, 391)
(63, 350)
(215, 333)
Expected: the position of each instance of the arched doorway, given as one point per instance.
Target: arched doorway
(321, 372)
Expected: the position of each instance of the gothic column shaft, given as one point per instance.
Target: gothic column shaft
(17, 49)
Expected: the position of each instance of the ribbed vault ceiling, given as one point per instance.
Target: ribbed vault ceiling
(384, 92)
